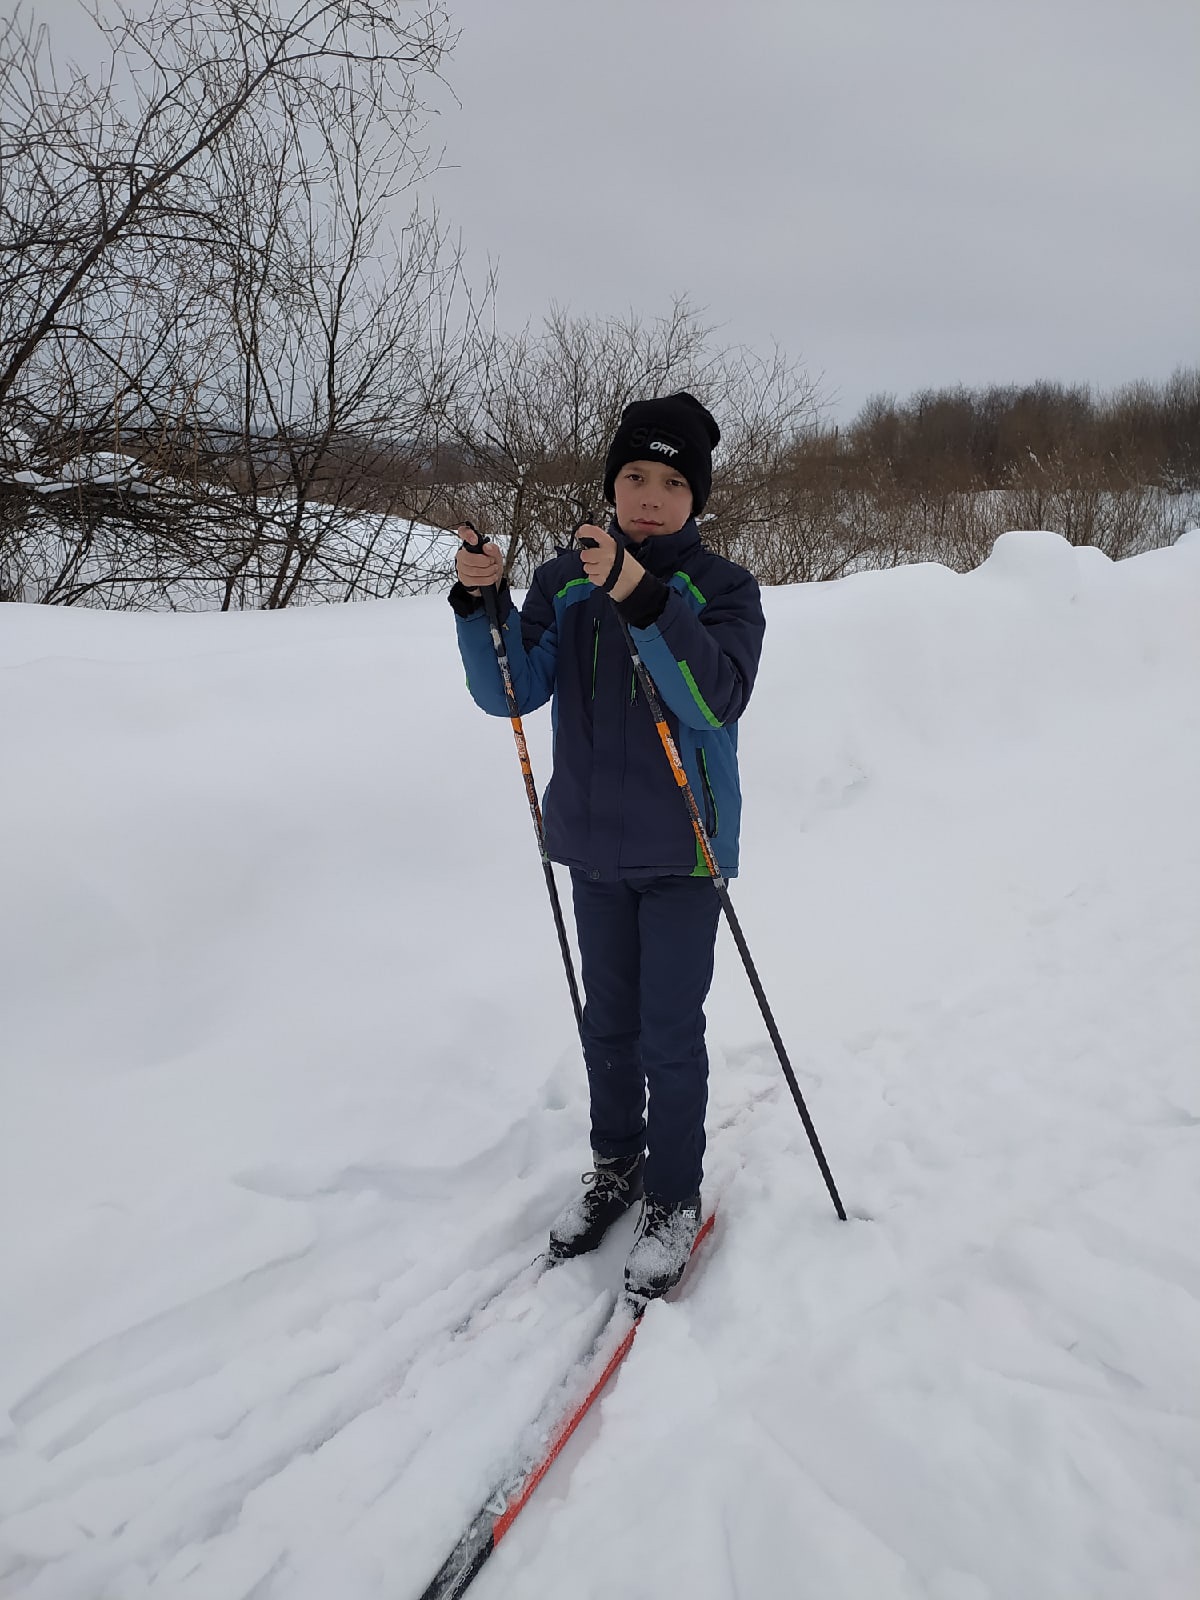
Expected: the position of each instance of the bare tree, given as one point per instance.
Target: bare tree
(532, 422)
(203, 275)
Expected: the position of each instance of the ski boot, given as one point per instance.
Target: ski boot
(663, 1247)
(611, 1187)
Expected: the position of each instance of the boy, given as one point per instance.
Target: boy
(645, 910)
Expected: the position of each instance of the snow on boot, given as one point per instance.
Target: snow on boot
(609, 1190)
(663, 1247)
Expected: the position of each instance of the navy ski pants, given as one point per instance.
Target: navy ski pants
(647, 947)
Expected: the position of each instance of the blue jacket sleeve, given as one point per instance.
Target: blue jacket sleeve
(704, 663)
(530, 642)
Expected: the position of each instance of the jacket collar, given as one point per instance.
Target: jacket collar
(661, 553)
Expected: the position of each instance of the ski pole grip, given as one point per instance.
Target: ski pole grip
(588, 522)
(476, 549)
(610, 582)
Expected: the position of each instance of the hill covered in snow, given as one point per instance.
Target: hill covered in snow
(290, 1087)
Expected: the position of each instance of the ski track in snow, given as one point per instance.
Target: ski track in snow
(212, 1404)
(982, 944)
(270, 1368)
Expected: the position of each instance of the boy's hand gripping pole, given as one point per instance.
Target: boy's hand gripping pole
(491, 608)
(651, 696)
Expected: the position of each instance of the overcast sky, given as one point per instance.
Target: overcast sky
(902, 192)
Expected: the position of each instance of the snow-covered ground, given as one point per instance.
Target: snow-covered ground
(360, 555)
(289, 1086)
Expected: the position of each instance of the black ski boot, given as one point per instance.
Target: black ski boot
(663, 1247)
(610, 1189)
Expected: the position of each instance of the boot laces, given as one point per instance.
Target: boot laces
(608, 1180)
(656, 1218)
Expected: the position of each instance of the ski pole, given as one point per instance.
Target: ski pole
(720, 884)
(491, 608)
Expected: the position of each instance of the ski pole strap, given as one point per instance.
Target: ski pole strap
(610, 582)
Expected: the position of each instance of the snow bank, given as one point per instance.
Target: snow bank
(290, 1086)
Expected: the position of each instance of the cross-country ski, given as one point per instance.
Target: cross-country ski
(510, 1496)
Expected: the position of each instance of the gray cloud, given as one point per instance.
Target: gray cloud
(902, 192)
(910, 193)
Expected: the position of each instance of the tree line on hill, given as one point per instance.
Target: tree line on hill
(229, 376)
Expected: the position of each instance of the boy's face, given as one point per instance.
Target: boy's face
(651, 498)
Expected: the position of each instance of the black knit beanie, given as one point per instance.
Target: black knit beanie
(676, 430)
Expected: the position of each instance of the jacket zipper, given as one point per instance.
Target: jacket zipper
(711, 820)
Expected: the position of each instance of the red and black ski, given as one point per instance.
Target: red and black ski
(509, 1498)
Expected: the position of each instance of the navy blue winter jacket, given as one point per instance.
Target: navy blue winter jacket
(612, 807)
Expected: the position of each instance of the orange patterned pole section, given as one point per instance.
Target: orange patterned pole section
(681, 778)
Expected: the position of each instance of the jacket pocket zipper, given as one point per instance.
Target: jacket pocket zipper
(711, 820)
